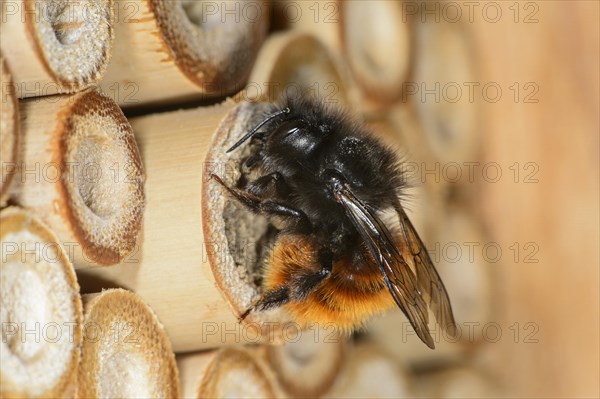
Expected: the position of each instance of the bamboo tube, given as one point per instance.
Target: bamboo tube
(227, 373)
(370, 373)
(173, 50)
(125, 351)
(376, 43)
(192, 368)
(81, 172)
(41, 312)
(215, 279)
(56, 46)
(307, 365)
(445, 90)
(405, 121)
(9, 129)
(296, 64)
(460, 382)
(320, 18)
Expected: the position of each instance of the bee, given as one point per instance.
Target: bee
(330, 183)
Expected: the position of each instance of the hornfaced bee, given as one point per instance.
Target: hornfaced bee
(330, 183)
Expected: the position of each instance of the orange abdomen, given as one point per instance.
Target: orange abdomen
(347, 298)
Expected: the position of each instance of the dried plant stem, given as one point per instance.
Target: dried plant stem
(309, 363)
(208, 273)
(58, 46)
(126, 352)
(40, 312)
(370, 373)
(294, 64)
(173, 50)
(9, 130)
(227, 373)
(81, 172)
(442, 90)
(376, 43)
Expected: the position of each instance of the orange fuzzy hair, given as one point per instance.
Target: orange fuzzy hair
(346, 299)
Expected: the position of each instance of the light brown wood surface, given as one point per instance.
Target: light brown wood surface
(553, 204)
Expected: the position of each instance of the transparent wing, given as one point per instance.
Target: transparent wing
(413, 293)
(429, 283)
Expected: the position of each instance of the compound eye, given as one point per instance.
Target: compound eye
(296, 136)
(289, 128)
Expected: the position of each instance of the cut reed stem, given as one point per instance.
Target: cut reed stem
(173, 50)
(80, 170)
(376, 42)
(125, 351)
(56, 46)
(296, 64)
(40, 312)
(227, 373)
(9, 129)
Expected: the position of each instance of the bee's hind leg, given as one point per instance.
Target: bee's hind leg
(301, 285)
(305, 281)
(270, 299)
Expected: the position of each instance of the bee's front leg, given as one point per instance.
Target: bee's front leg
(261, 185)
(268, 207)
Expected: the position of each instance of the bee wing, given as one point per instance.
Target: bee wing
(429, 283)
(402, 283)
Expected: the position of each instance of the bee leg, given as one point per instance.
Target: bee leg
(270, 299)
(260, 185)
(253, 160)
(305, 282)
(301, 286)
(269, 207)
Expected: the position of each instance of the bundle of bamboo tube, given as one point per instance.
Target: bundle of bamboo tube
(41, 311)
(125, 350)
(80, 170)
(196, 260)
(56, 46)
(175, 50)
(371, 42)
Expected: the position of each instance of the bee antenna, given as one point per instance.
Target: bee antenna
(252, 132)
